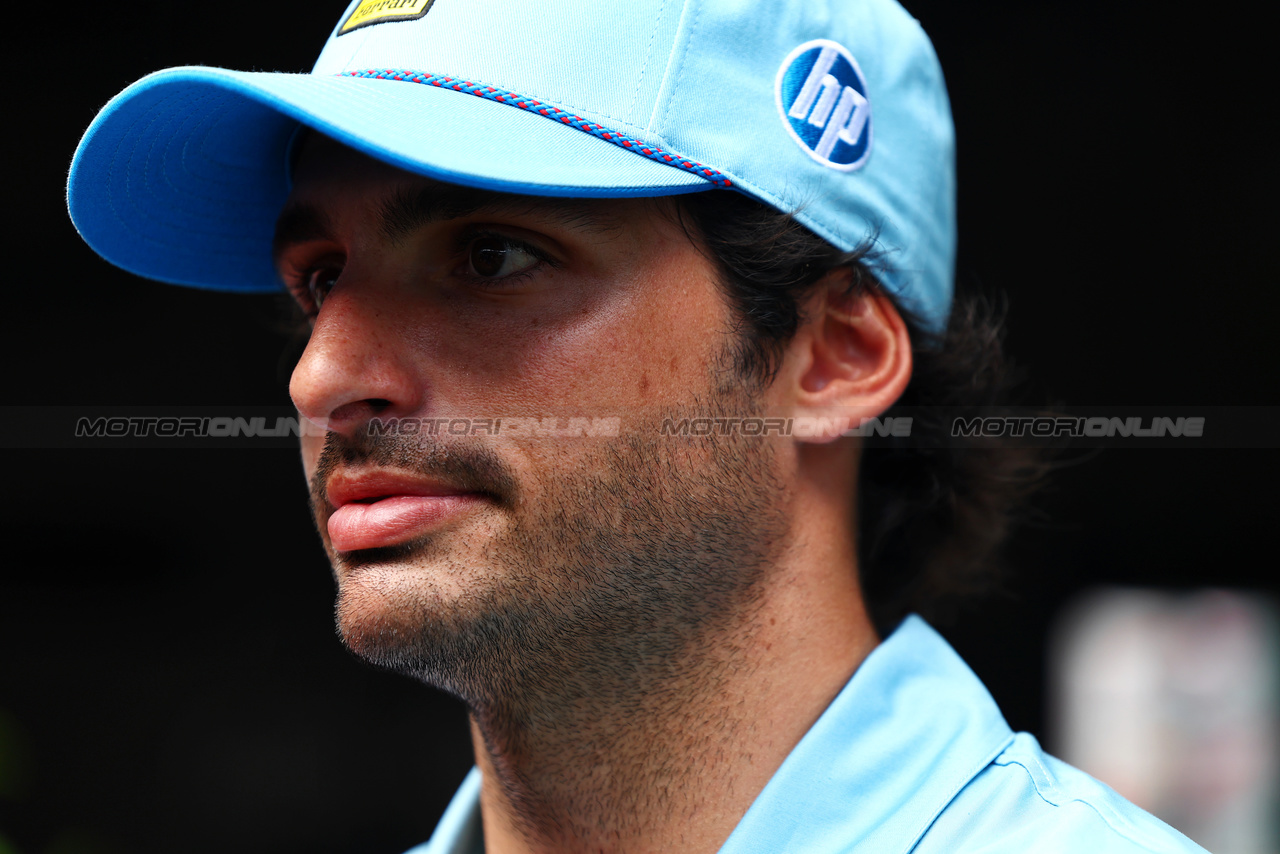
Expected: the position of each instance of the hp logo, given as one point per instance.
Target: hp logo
(822, 97)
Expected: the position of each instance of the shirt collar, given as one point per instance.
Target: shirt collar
(911, 728)
(907, 732)
(460, 830)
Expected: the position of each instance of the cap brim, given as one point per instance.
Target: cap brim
(181, 177)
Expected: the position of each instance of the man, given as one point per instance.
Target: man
(719, 237)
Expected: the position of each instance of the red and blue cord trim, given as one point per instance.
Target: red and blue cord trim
(502, 96)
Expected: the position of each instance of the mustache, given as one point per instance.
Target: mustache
(464, 465)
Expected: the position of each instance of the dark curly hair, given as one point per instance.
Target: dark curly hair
(933, 510)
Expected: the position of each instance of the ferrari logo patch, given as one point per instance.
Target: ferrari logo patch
(370, 12)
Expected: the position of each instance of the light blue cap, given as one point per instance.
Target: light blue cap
(835, 110)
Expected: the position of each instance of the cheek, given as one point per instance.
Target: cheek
(666, 350)
(649, 340)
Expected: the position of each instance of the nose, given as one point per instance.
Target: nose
(358, 363)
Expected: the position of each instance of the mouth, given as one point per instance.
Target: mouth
(377, 509)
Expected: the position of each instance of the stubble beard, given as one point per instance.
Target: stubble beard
(600, 633)
(639, 573)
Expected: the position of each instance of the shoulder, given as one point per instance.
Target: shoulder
(1027, 800)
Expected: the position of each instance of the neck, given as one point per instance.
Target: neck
(670, 754)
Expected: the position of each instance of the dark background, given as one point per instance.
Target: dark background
(169, 676)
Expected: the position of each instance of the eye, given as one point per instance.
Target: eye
(317, 283)
(495, 257)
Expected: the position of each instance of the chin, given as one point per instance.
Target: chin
(399, 613)
(383, 627)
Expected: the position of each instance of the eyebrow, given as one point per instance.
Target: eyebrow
(412, 208)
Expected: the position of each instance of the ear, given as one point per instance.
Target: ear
(853, 358)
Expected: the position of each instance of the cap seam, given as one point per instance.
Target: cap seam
(678, 70)
(644, 67)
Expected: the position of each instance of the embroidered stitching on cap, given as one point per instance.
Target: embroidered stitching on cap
(822, 97)
(502, 96)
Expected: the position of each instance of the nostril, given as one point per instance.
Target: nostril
(349, 415)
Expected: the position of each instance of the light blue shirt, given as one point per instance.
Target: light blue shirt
(912, 756)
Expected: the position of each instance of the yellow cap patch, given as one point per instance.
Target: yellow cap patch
(383, 11)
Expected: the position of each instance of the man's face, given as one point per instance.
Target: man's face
(485, 559)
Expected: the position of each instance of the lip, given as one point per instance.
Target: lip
(380, 508)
